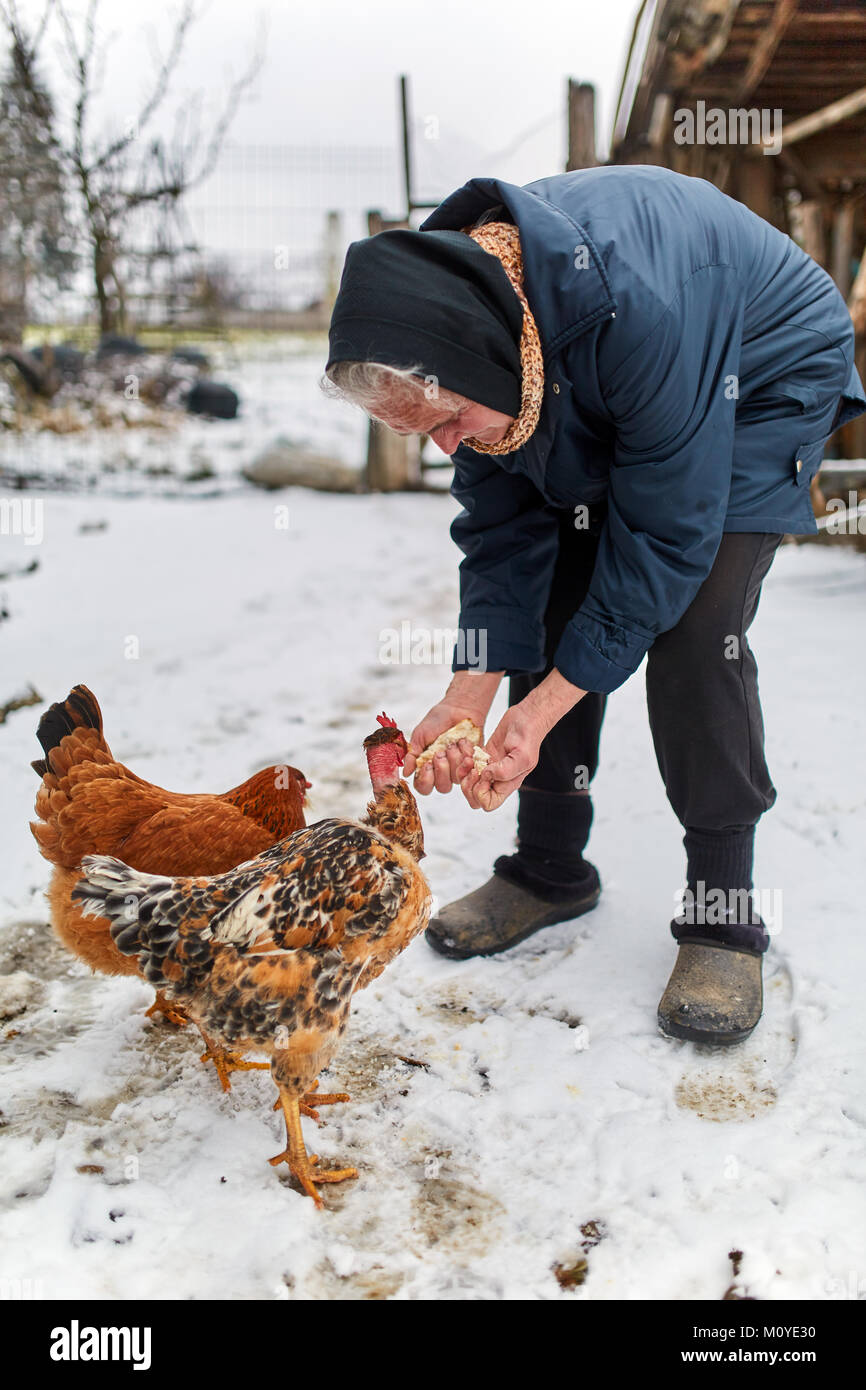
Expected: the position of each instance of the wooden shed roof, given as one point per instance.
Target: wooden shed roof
(794, 55)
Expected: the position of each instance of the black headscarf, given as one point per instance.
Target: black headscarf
(435, 299)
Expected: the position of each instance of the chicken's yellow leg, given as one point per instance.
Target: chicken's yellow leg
(226, 1061)
(170, 1011)
(295, 1154)
(314, 1097)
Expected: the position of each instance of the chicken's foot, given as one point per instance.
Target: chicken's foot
(302, 1164)
(170, 1012)
(226, 1060)
(314, 1097)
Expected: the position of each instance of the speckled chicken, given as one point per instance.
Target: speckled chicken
(268, 955)
(89, 803)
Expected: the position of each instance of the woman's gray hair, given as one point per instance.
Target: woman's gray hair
(379, 389)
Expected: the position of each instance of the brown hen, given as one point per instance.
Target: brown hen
(89, 803)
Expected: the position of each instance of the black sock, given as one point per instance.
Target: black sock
(552, 831)
(720, 863)
(720, 860)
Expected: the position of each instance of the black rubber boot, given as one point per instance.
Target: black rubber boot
(503, 912)
(715, 993)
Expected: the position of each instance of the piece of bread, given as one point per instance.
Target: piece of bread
(465, 729)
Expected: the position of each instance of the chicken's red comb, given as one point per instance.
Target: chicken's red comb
(386, 721)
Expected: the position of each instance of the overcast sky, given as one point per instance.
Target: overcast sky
(487, 81)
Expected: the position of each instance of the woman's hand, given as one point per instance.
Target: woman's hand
(513, 747)
(469, 696)
(515, 743)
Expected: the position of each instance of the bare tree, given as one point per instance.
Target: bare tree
(35, 249)
(120, 177)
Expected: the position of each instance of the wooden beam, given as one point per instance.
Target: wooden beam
(764, 49)
(648, 56)
(825, 118)
(833, 158)
(821, 18)
(686, 67)
(629, 84)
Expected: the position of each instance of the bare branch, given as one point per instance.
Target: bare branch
(80, 60)
(157, 96)
(9, 13)
(39, 31)
(233, 99)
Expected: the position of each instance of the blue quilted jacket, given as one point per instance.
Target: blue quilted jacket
(695, 362)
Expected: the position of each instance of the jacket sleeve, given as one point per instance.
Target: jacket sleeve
(673, 402)
(509, 537)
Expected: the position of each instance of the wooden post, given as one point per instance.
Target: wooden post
(857, 298)
(852, 437)
(407, 142)
(854, 433)
(843, 246)
(581, 126)
(393, 460)
(377, 223)
(807, 183)
(660, 126)
(333, 240)
(810, 216)
(756, 187)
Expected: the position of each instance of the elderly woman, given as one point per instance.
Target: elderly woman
(635, 377)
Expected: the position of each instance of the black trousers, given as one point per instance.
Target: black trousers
(705, 717)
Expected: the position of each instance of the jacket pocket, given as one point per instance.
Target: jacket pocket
(808, 459)
(806, 396)
(779, 400)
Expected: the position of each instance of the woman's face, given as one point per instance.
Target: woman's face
(448, 425)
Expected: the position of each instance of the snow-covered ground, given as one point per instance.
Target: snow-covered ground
(547, 1100)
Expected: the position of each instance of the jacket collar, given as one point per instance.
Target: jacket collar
(565, 301)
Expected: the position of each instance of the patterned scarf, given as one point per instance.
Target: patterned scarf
(502, 240)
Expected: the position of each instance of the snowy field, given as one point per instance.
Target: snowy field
(548, 1123)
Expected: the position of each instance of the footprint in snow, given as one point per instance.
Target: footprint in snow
(741, 1082)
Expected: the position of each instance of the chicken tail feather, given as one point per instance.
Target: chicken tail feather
(145, 911)
(80, 710)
